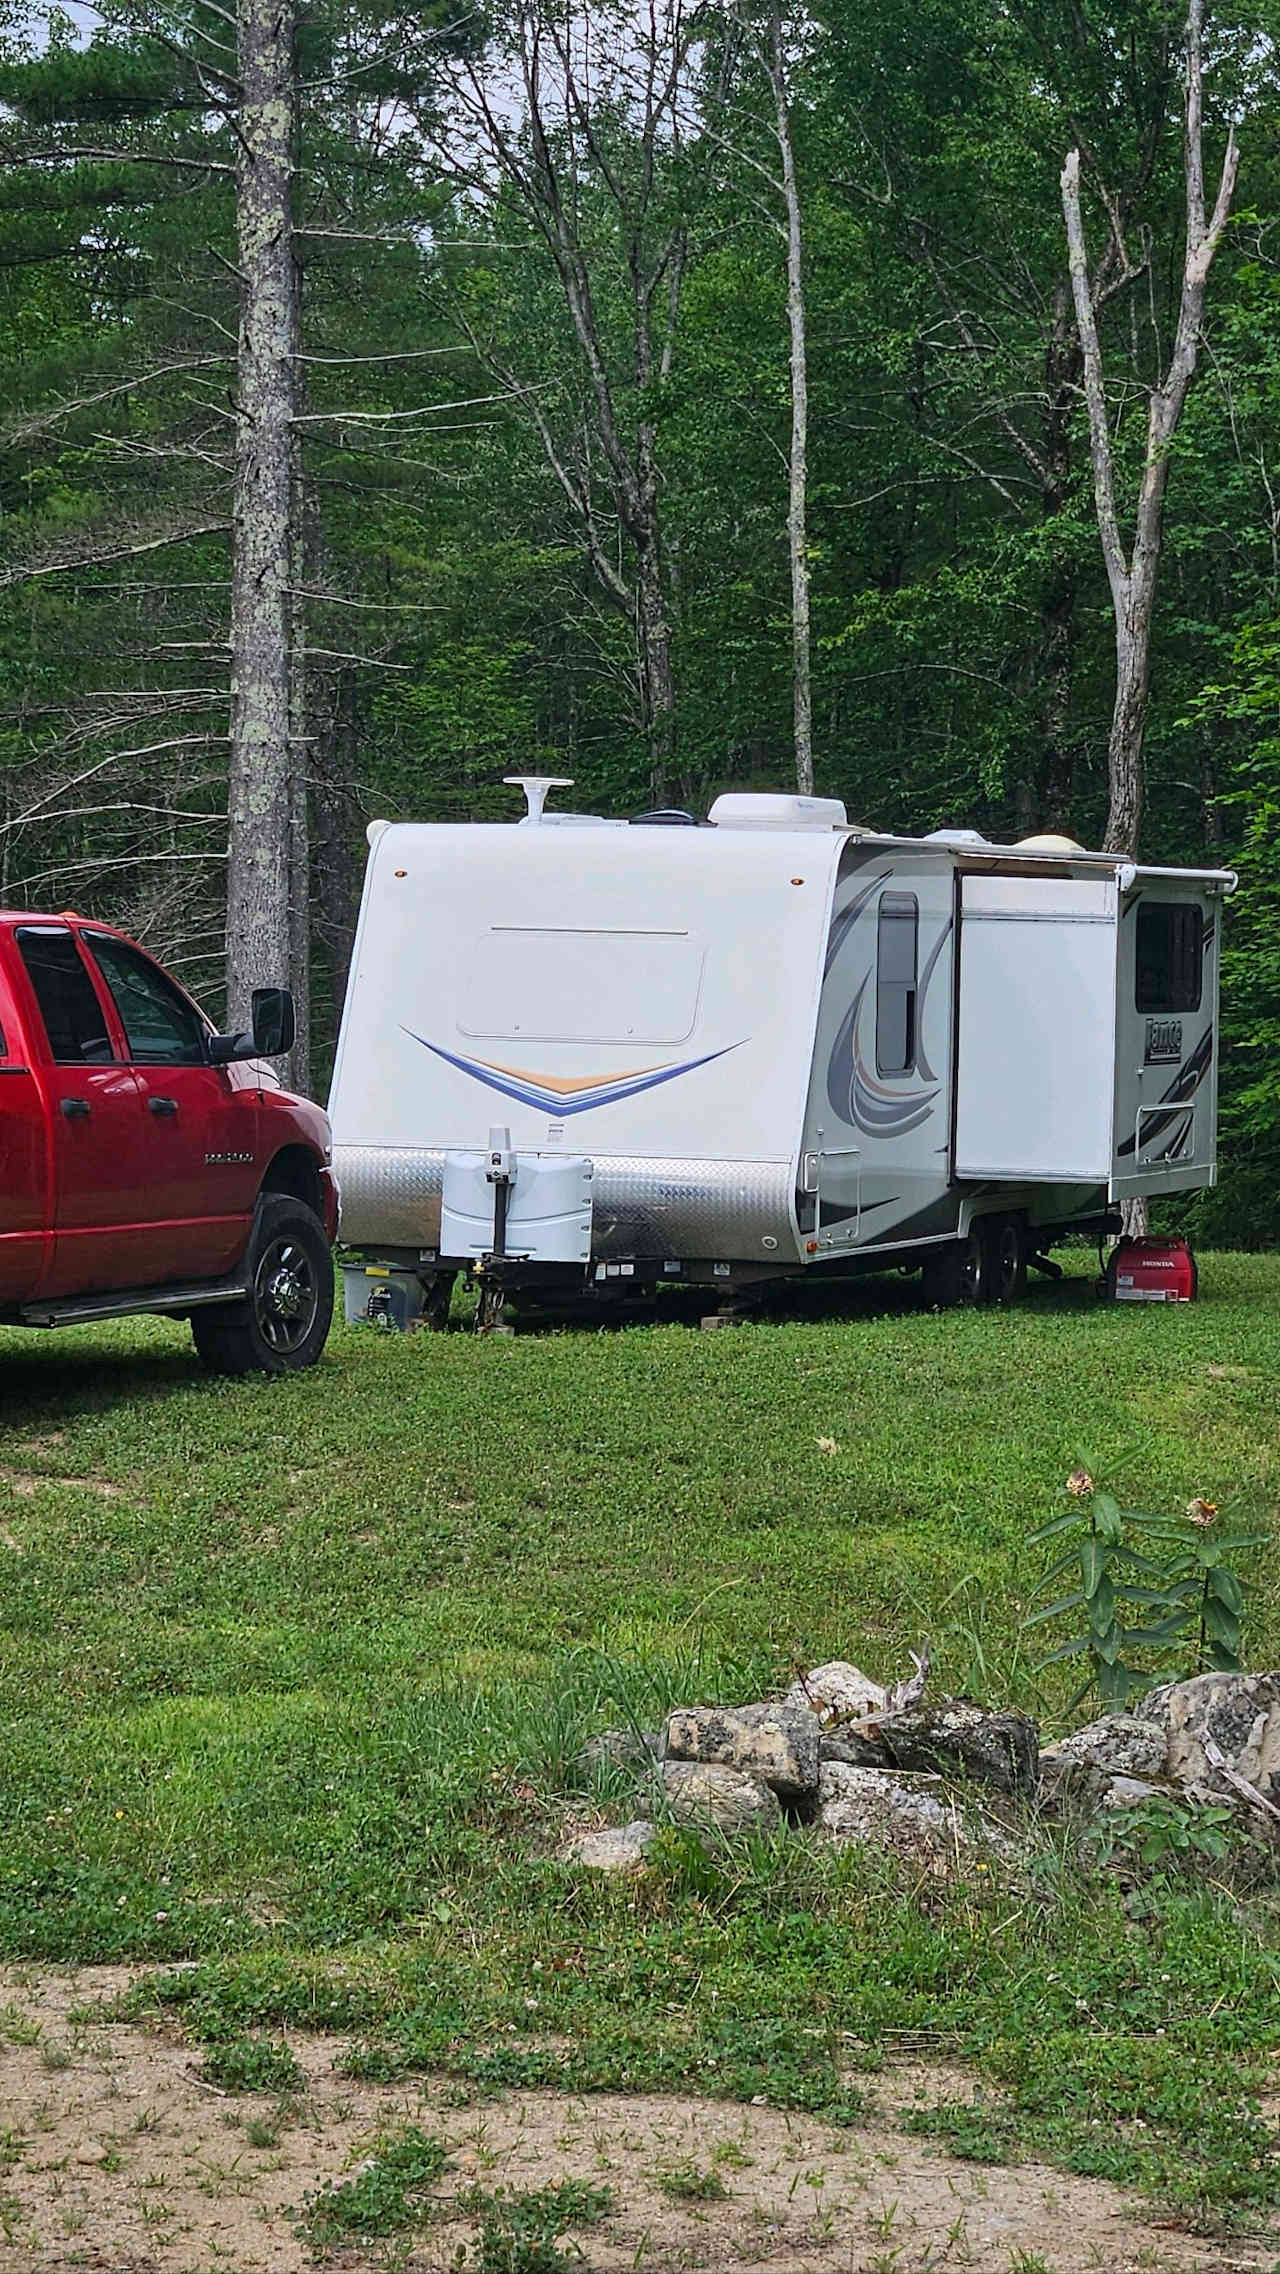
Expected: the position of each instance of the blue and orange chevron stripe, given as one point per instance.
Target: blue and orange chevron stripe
(561, 1094)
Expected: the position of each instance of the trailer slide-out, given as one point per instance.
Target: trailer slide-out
(594, 1053)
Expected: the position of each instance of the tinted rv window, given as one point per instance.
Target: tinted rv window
(1170, 956)
(896, 947)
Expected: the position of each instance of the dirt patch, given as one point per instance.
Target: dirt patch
(26, 1483)
(115, 2155)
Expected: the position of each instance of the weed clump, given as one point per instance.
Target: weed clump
(390, 2191)
(520, 2232)
(252, 2064)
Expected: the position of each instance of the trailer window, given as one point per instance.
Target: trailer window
(73, 1016)
(1170, 956)
(896, 948)
(528, 984)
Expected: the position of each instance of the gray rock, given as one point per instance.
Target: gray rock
(1129, 1792)
(699, 1792)
(620, 1749)
(837, 1692)
(1121, 1743)
(909, 1814)
(958, 1736)
(616, 1848)
(1240, 1712)
(1068, 1785)
(778, 1744)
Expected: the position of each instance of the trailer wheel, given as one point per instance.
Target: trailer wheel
(437, 1295)
(958, 1273)
(282, 1324)
(1006, 1244)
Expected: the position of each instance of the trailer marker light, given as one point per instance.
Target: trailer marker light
(402, 872)
(797, 880)
(810, 1247)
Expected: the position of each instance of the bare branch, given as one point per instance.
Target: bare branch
(90, 560)
(1091, 353)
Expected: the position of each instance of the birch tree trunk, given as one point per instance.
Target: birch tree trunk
(1133, 578)
(797, 530)
(258, 815)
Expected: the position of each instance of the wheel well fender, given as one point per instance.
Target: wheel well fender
(295, 1171)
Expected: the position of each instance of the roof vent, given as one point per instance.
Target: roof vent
(744, 809)
(956, 837)
(1049, 842)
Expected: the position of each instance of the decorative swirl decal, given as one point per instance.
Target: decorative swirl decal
(561, 1096)
(931, 964)
(1184, 1085)
(854, 1092)
(843, 924)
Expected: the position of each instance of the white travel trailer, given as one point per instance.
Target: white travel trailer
(610, 1052)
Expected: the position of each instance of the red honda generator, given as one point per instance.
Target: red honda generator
(1150, 1271)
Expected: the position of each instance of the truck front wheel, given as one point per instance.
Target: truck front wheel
(282, 1324)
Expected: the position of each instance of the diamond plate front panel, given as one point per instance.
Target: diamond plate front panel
(732, 1211)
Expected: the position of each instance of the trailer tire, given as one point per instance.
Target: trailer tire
(1005, 1238)
(959, 1273)
(437, 1296)
(282, 1325)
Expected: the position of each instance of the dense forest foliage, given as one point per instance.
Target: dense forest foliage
(565, 282)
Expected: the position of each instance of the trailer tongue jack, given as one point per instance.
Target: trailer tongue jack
(500, 1173)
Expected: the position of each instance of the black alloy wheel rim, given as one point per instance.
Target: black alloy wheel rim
(972, 1268)
(285, 1296)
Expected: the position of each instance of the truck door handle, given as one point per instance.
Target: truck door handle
(162, 1105)
(75, 1109)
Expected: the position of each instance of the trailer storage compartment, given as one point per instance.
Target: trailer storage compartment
(1035, 1062)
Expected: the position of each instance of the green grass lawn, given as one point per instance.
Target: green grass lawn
(294, 1676)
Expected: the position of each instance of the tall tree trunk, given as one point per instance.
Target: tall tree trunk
(335, 843)
(1128, 726)
(1058, 583)
(258, 942)
(797, 531)
(1133, 580)
(302, 548)
(655, 667)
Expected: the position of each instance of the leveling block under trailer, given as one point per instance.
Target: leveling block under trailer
(595, 1056)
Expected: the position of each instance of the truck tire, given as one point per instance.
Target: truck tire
(959, 1273)
(284, 1321)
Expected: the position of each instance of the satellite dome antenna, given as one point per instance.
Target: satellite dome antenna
(536, 787)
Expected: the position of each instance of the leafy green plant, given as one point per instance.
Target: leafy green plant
(389, 2192)
(252, 2064)
(521, 2231)
(1182, 1593)
(1204, 1595)
(1162, 1831)
(685, 2183)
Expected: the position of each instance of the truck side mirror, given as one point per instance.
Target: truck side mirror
(274, 1022)
(270, 1035)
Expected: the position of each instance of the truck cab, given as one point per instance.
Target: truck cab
(148, 1163)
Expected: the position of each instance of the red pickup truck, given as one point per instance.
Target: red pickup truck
(147, 1163)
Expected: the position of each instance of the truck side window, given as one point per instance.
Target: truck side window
(1170, 956)
(73, 1016)
(161, 1027)
(896, 949)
